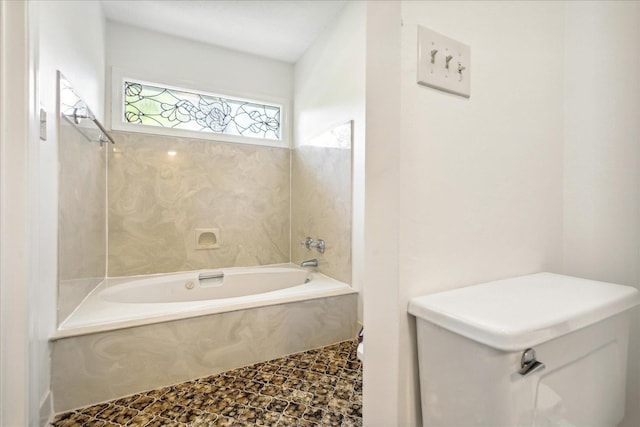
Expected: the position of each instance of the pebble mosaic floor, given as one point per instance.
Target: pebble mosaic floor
(321, 387)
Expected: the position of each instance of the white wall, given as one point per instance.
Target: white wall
(602, 134)
(18, 214)
(72, 40)
(329, 88)
(602, 154)
(381, 216)
(191, 64)
(480, 179)
(538, 170)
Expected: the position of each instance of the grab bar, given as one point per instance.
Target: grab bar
(205, 276)
(73, 109)
(89, 115)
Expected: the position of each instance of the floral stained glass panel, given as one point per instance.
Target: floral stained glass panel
(154, 105)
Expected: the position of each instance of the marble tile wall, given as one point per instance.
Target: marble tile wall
(157, 200)
(81, 217)
(93, 368)
(321, 201)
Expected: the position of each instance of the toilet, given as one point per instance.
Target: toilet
(542, 350)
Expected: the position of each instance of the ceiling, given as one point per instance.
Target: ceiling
(274, 29)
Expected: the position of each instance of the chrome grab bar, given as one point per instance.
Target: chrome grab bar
(89, 115)
(205, 276)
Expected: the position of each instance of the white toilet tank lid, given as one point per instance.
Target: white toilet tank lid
(520, 312)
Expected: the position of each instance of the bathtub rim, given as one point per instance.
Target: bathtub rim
(182, 311)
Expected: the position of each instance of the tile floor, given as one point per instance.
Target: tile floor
(316, 387)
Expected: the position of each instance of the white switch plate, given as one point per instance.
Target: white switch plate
(455, 78)
(43, 124)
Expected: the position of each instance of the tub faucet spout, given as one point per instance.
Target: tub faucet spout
(310, 263)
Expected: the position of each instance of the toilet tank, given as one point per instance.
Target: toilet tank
(471, 343)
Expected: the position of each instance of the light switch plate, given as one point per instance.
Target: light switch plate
(43, 124)
(443, 63)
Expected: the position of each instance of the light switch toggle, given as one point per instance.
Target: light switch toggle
(461, 68)
(43, 124)
(433, 55)
(448, 59)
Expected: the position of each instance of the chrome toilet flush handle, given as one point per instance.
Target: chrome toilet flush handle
(529, 364)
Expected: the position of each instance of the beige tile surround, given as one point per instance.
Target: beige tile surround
(93, 368)
(321, 208)
(156, 201)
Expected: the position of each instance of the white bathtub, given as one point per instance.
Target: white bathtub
(140, 333)
(124, 302)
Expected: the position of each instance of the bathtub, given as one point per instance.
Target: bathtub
(142, 332)
(140, 300)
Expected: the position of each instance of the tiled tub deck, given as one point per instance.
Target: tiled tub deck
(316, 387)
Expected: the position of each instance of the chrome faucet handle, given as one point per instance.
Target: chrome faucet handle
(307, 242)
(319, 245)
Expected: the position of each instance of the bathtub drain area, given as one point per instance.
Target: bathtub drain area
(316, 387)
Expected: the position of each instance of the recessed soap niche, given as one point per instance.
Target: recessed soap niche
(207, 238)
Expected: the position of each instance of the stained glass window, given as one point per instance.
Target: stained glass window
(155, 105)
